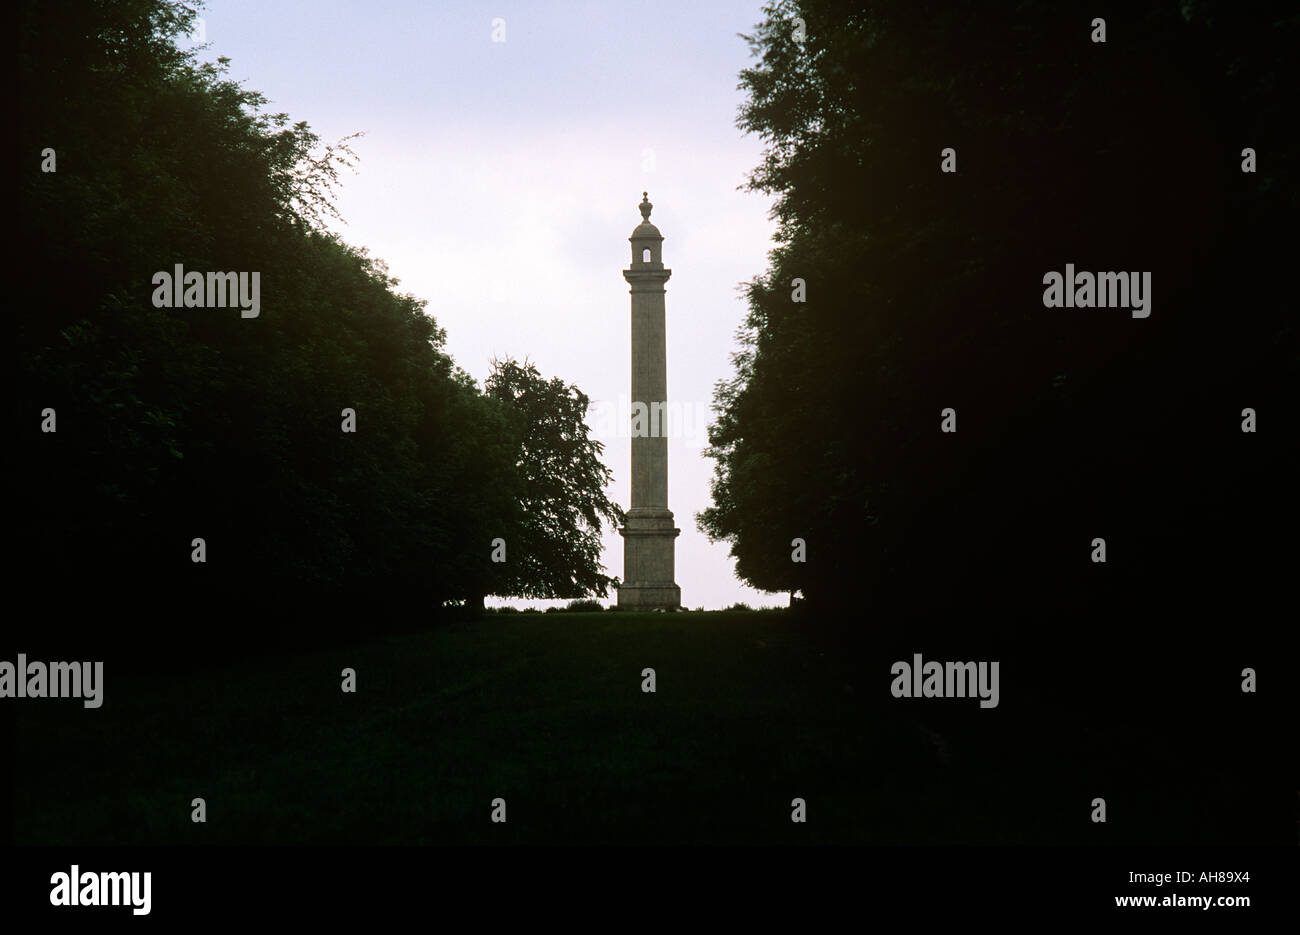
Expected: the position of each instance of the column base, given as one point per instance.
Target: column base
(637, 596)
(648, 561)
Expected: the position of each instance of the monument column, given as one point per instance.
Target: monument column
(649, 534)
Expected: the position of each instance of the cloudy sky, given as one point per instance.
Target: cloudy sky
(499, 181)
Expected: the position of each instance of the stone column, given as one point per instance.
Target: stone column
(648, 536)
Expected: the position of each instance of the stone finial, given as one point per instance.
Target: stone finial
(645, 206)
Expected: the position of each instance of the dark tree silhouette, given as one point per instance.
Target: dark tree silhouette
(183, 423)
(924, 291)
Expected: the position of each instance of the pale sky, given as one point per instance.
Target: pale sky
(500, 182)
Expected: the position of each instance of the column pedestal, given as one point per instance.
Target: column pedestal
(648, 561)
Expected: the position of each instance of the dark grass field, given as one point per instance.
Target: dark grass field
(547, 712)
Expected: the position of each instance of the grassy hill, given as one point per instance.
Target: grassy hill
(546, 711)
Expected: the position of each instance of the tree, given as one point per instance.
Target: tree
(553, 541)
(176, 423)
(924, 292)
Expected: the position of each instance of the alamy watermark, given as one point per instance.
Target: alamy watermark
(945, 680)
(179, 289)
(76, 888)
(623, 418)
(56, 680)
(1098, 290)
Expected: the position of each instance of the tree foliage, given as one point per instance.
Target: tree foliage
(555, 539)
(924, 291)
(183, 423)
